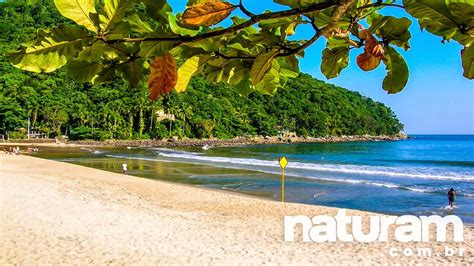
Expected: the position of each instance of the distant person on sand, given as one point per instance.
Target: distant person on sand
(124, 168)
(451, 196)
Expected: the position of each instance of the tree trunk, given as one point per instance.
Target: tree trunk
(141, 123)
(130, 129)
(151, 119)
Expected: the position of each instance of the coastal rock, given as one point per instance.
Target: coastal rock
(255, 140)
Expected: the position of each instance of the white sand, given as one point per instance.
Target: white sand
(54, 212)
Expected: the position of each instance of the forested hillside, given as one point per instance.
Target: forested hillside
(57, 105)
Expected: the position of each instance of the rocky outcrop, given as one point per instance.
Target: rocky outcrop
(185, 142)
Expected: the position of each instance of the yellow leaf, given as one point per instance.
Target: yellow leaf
(207, 14)
(185, 72)
(188, 70)
(78, 10)
(290, 30)
(163, 76)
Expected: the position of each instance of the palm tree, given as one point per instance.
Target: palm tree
(187, 111)
(172, 110)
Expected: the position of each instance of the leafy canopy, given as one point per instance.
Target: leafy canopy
(145, 39)
(58, 105)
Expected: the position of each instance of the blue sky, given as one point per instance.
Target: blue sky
(437, 99)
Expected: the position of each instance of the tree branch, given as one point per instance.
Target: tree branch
(379, 4)
(245, 10)
(303, 46)
(233, 57)
(253, 20)
(341, 8)
(328, 30)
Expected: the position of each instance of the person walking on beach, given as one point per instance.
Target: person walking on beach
(451, 196)
(124, 168)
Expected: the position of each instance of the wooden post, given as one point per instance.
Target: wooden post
(283, 162)
(283, 185)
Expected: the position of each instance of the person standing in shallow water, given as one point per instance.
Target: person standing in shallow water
(451, 196)
(124, 168)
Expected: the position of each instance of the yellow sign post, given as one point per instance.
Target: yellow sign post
(283, 163)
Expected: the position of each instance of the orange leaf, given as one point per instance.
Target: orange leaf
(207, 14)
(163, 76)
(372, 46)
(378, 51)
(370, 41)
(373, 52)
(367, 61)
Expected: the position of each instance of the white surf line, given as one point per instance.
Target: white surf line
(349, 169)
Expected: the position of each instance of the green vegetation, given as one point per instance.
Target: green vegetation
(57, 105)
(145, 39)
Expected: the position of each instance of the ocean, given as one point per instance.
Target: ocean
(393, 177)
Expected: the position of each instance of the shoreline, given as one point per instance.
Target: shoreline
(185, 142)
(55, 212)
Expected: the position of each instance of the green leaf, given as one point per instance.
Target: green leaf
(126, 49)
(288, 67)
(262, 65)
(83, 71)
(462, 11)
(271, 81)
(334, 42)
(137, 24)
(240, 73)
(177, 28)
(322, 18)
(81, 11)
(92, 53)
(397, 71)
(190, 68)
(368, 12)
(215, 74)
(155, 48)
(375, 17)
(244, 87)
(158, 9)
(113, 12)
(119, 31)
(468, 61)
(106, 75)
(334, 61)
(51, 50)
(132, 72)
(394, 30)
(238, 46)
(277, 22)
(433, 15)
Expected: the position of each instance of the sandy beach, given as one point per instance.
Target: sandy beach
(53, 212)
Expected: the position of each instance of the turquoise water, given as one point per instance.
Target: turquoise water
(399, 177)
